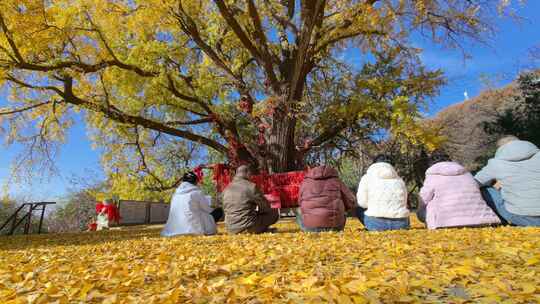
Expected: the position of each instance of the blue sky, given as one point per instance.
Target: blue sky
(501, 60)
(504, 56)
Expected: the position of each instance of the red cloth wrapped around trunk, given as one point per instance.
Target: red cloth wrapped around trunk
(222, 176)
(281, 189)
(274, 200)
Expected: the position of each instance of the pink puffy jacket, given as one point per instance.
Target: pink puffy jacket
(452, 198)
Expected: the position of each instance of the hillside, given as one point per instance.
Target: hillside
(462, 124)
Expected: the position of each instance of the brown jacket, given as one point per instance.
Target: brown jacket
(242, 202)
(324, 199)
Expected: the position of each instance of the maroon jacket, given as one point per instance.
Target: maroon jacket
(324, 199)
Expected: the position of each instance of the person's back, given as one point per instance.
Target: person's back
(323, 199)
(452, 198)
(516, 167)
(189, 213)
(383, 192)
(238, 205)
(245, 207)
(382, 197)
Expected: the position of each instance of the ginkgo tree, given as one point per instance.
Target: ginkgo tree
(265, 82)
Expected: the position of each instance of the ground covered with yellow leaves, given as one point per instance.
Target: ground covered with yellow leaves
(488, 265)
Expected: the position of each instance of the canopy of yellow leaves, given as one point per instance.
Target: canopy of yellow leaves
(488, 265)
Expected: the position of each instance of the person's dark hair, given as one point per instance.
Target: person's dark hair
(438, 157)
(383, 158)
(190, 177)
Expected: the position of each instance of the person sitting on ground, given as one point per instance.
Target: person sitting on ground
(323, 200)
(451, 197)
(382, 197)
(190, 212)
(246, 209)
(516, 169)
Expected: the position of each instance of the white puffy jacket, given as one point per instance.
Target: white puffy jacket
(382, 192)
(189, 213)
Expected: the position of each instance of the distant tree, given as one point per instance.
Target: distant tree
(409, 159)
(7, 208)
(73, 212)
(523, 119)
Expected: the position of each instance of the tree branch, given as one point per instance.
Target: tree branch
(312, 13)
(344, 36)
(324, 137)
(21, 63)
(146, 168)
(191, 122)
(117, 115)
(24, 109)
(9, 38)
(264, 61)
(172, 88)
(261, 37)
(284, 23)
(188, 26)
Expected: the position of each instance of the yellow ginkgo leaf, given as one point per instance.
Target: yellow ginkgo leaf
(532, 261)
(252, 279)
(343, 299)
(310, 282)
(356, 286)
(528, 288)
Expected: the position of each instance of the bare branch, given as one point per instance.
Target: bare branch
(24, 109)
(146, 168)
(265, 61)
(188, 26)
(325, 44)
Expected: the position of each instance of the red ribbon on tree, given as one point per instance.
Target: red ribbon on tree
(282, 189)
(199, 172)
(246, 104)
(222, 176)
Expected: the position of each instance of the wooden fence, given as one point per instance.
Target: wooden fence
(141, 213)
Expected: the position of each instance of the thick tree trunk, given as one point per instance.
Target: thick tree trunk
(281, 144)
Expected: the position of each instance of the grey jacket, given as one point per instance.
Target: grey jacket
(242, 202)
(516, 166)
